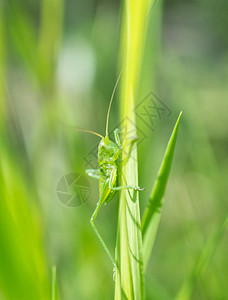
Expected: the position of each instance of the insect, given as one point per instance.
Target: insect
(109, 154)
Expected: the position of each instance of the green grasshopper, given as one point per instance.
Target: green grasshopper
(109, 154)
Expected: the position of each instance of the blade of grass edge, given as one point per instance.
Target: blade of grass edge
(152, 213)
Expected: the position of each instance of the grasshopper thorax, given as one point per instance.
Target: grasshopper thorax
(108, 151)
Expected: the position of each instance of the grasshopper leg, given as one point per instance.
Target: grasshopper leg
(117, 137)
(117, 188)
(128, 187)
(102, 199)
(94, 173)
(132, 141)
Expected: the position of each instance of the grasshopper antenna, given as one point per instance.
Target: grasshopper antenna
(85, 130)
(110, 103)
(90, 131)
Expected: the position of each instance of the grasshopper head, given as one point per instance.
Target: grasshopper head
(108, 151)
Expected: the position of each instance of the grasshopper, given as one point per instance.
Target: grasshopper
(109, 154)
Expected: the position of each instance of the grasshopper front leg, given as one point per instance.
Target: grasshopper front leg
(94, 173)
(132, 141)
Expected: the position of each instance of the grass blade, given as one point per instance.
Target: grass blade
(130, 277)
(202, 263)
(152, 214)
(22, 34)
(49, 42)
(2, 64)
(54, 291)
(22, 258)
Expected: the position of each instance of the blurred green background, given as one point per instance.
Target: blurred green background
(58, 65)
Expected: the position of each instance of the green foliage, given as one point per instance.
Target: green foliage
(202, 262)
(54, 290)
(57, 68)
(130, 277)
(152, 214)
(22, 253)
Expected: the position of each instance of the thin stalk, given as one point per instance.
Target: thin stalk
(49, 42)
(2, 66)
(54, 292)
(129, 277)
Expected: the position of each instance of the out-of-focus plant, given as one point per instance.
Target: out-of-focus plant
(25, 272)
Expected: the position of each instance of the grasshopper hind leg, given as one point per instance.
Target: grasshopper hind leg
(118, 188)
(102, 241)
(102, 200)
(128, 187)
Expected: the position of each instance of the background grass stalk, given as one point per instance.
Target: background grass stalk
(54, 291)
(49, 42)
(2, 66)
(201, 265)
(130, 281)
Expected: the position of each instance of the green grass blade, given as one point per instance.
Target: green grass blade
(130, 277)
(2, 65)
(23, 35)
(54, 290)
(23, 273)
(50, 36)
(202, 263)
(152, 212)
(22, 257)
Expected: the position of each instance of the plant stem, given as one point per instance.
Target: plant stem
(129, 278)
